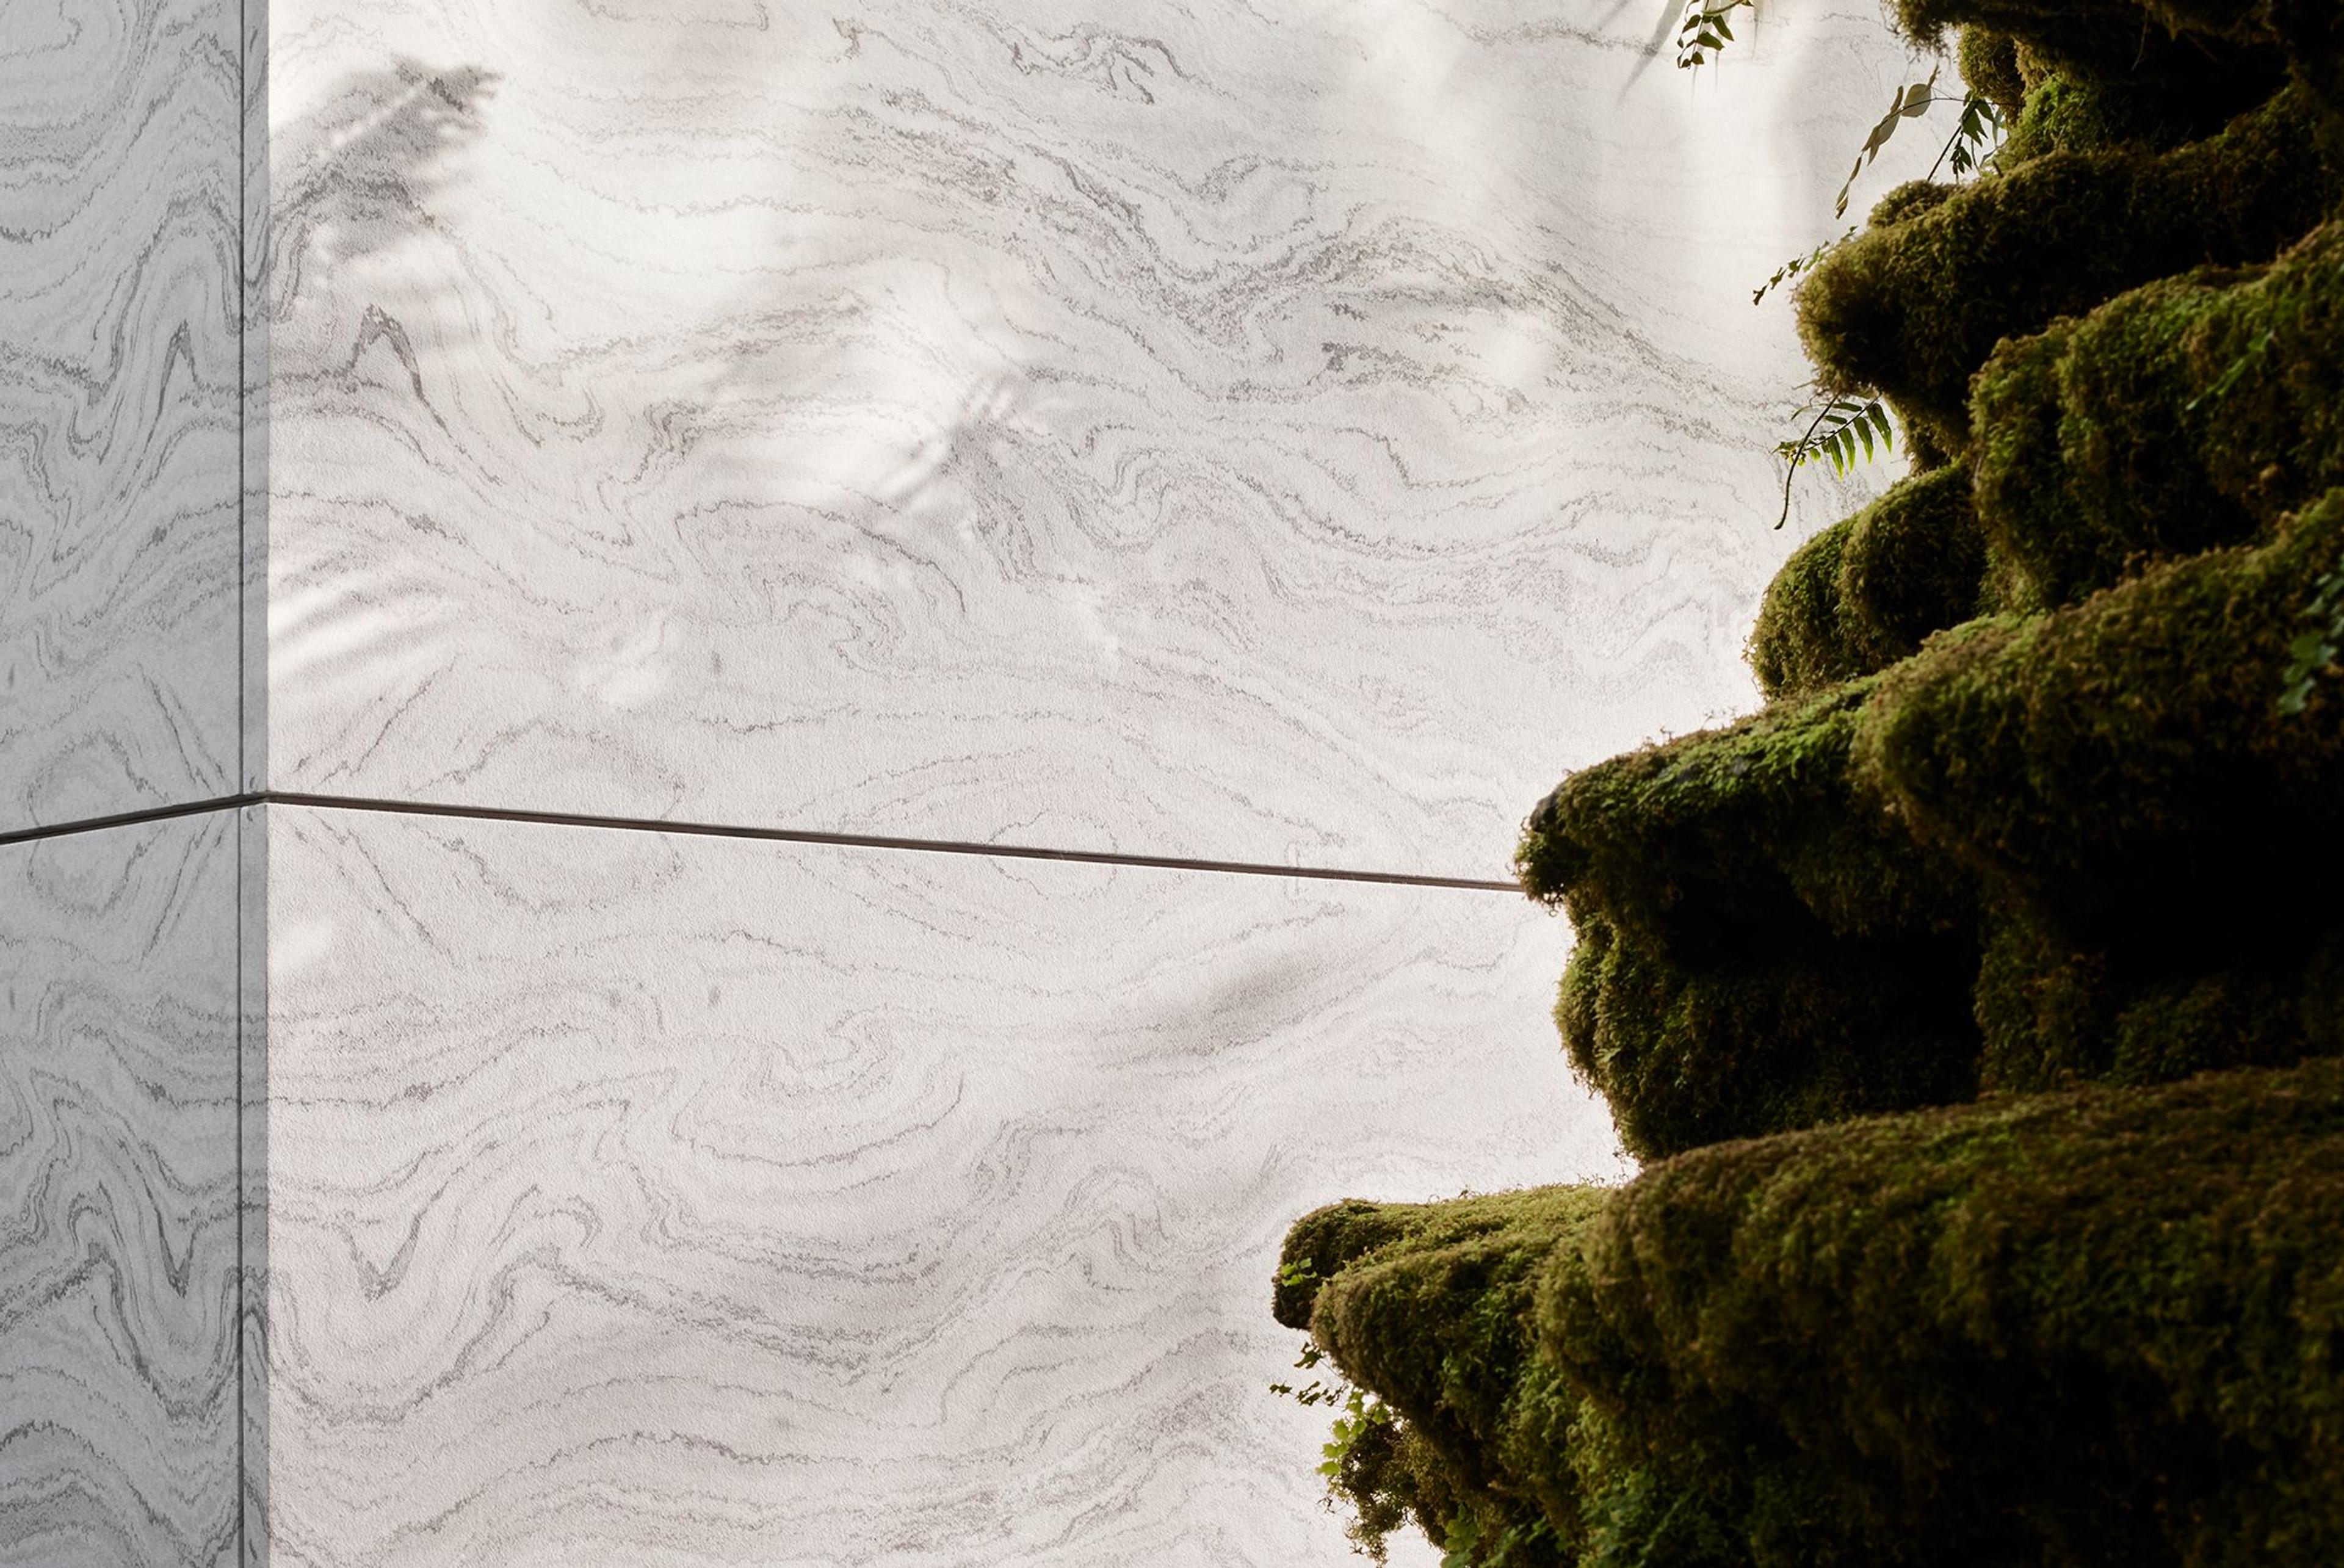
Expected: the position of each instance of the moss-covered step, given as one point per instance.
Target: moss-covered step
(1912, 306)
(1429, 1305)
(2094, 1330)
(2126, 767)
(2203, 48)
(2053, 1010)
(2179, 415)
(1732, 839)
(2106, 1328)
(1777, 1038)
(1862, 594)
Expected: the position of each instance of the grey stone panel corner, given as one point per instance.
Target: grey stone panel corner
(252, 303)
(119, 1198)
(120, 578)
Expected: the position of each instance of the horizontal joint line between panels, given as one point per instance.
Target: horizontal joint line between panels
(720, 830)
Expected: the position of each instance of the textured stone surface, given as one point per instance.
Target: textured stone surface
(646, 1200)
(119, 1198)
(1265, 433)
(119, 591)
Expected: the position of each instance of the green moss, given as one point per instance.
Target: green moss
(1989, 65)
(1429, 1307)
(2067, 113)
(2211, 51)
(1765, 1041)
(1694, 845)
(2104, 1328)
(1913, 307)
(2053, 1011)
(2122, 766)
(1802, 641)
(2181, 415)
(1863, 594)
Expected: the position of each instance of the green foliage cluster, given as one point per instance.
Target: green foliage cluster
(1980, 1000)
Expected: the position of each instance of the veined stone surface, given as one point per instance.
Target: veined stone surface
(645, 1199)
(119, 588)
(118, 1198)
(1285, 433)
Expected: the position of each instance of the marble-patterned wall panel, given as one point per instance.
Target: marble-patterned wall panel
(119, 375)
(119, 1198)
(645, 1199)
(1281, 433)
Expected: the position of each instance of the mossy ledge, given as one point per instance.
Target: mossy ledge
(2080, 1331)
(1912, 307)
(1864, 593)
(2176, 417)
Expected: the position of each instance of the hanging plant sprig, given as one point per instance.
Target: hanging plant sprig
(1703, 32)
(1798, 264)
(1910, 103)
(1839, 426)
(1978, 135)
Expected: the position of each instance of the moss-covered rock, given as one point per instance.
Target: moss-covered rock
(1988, 61)
(2181, 415)
(1803, 641)
(2104, 1328)
(2027, 833)
(1435, 1319)
(1766, 1040)
(1693, 846)
(1865, 591)
(2062, 112)
(2223, 52)
(1913, 307)
(2053, 1011)
(2095, 1330)
(2123, 766)
(1479, 1443)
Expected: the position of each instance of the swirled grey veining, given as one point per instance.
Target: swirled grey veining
(664, 1201)
(119, 586)
(1209, 428)
(118, 1198)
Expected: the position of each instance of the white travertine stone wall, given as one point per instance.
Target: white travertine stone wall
(644, 1200)
(119, 1390)
(120, 592)
(1277, 433)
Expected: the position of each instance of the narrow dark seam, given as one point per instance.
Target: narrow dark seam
(243, 715)
(762, 835)
(243, 1267)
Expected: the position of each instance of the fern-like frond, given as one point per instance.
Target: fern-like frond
(1798, 264)
(1841, 426)
(1911, 102)
(1703, 31)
